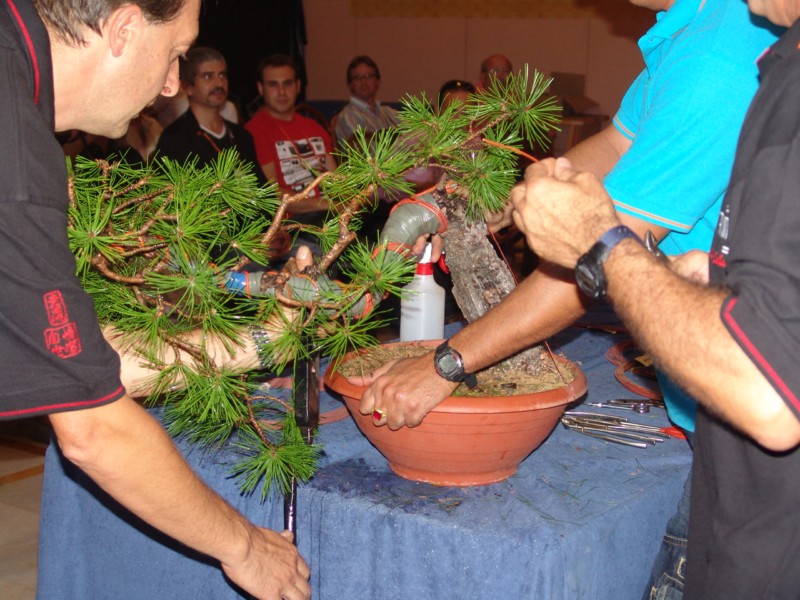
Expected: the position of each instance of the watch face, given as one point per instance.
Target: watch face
(587, 279)
(448, 364)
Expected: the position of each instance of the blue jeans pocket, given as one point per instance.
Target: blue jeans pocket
(671, 568)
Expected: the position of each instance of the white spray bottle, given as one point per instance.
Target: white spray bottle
(422, 304)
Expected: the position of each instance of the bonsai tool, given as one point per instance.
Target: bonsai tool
(618, 429)
(651, 244)
(639, 405)
(611, 432)
(306, 415)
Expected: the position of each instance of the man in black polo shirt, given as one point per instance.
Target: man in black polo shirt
(726, 326)
(202, 132)
(94, 65)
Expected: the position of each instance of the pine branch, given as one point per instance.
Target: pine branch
(154, 245)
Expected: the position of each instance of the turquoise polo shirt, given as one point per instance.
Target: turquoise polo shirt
(683, 114)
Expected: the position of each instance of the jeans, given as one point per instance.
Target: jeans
(669, 568)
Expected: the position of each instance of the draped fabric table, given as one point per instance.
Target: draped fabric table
(582, 519)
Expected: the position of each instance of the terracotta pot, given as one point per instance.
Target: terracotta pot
(465, 441)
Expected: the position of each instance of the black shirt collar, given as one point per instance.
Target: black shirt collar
(34, 40)
(787, 45)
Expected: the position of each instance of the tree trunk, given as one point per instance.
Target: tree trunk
(481, 279)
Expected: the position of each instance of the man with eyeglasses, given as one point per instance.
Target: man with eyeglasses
(363, 110)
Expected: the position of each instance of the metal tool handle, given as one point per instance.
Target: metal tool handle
(306, 415)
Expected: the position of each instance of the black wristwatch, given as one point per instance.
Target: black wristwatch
(450, 366)
(589, 273)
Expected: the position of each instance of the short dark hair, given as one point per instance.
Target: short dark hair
(194, 58)
(362, 60)
(68, 18)
(452, 86)
(275, 60)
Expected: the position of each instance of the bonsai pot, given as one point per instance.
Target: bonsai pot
(465, 440)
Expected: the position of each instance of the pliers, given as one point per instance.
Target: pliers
(617, 429)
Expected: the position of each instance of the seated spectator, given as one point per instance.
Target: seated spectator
(166, 110)
(291, 148)
(363, 110)
(202, 131)
(135, 147)
(496, 66)
(143, 134)
(453, 90)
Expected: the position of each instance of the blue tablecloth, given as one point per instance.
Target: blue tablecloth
(582, 519)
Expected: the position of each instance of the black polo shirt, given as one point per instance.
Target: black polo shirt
(184, 138)
(744, 532)
(53, 356)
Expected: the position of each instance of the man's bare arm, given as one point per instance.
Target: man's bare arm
(138, 377)
(541, 305)
(563, 212)
(599, 153)
(127, 453)
(679, 323)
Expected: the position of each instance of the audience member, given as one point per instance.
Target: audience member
(291, 148)
(363, 110)
(92, 65)
(143, 134)
(166, 110)
(135, 147)
(725, 325)
(673, 189)
(454, 90)
(202, 132)
(496, 66)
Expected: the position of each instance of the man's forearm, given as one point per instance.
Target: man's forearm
(542, 305)
(127, 453)
(678, 322)
(138, 377)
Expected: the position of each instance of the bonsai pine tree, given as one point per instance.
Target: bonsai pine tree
(167, 248)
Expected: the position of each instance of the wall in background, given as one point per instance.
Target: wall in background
(418, 54)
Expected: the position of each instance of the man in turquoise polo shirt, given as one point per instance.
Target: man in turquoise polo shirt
(665, 160)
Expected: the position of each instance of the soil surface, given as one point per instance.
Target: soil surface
(494, 381)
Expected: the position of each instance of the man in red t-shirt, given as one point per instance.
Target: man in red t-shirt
(291, 148)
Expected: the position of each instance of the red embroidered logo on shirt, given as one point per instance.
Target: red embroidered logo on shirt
(62, 338)
(718, 258)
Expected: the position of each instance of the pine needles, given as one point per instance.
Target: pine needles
(156, 245)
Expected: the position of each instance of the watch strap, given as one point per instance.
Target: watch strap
(609, 240)
(589, 271)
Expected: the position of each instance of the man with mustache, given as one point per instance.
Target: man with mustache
(93, 65)
(202, 131)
